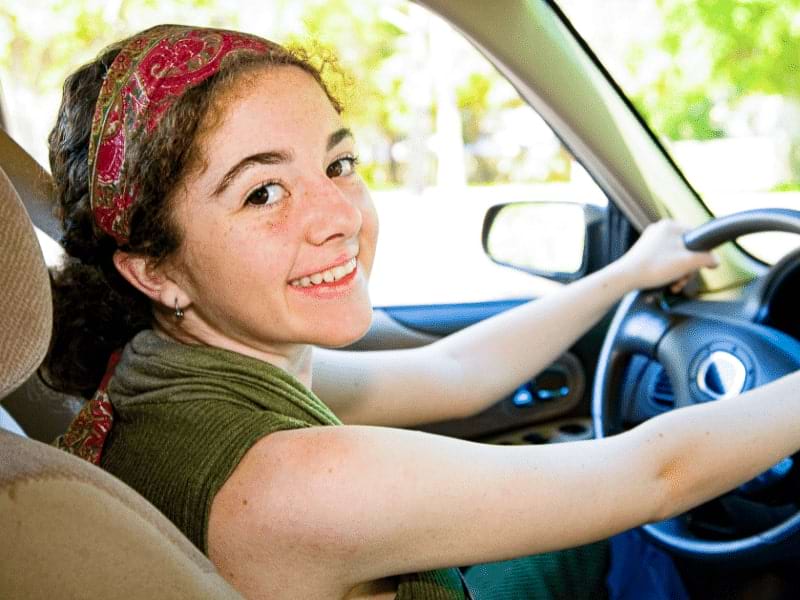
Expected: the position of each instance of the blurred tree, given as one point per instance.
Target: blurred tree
(42, 41)
(49, 38)
(365, 39)
(425, 103)
(720, 51)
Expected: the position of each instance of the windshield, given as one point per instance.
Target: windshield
(718, 82)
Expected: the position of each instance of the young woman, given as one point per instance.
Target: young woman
(219, 233)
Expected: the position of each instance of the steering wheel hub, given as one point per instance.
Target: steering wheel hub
(721, 375)
(720, 371)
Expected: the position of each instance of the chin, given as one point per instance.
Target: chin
(354, 330)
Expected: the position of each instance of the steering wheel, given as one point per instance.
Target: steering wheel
(705, 357)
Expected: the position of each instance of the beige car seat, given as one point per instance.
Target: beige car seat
(67, 528)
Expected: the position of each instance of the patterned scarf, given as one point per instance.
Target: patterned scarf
(153, 70)
(88, 431)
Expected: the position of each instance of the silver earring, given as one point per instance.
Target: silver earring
(178, 310)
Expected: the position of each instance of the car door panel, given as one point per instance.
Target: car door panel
(560, 392)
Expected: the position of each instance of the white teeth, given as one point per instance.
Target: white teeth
(328, 276)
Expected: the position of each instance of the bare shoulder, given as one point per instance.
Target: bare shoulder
(328, 506)
(265, 532)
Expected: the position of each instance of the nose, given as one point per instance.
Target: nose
(331, 212)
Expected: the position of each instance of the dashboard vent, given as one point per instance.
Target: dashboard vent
(662, 393)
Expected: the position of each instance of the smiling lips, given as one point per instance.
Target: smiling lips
(327, 276)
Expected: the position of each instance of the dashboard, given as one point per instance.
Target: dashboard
(778, 296)
(772, 300)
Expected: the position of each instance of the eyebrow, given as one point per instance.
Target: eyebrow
(273, 157)
(337, 136)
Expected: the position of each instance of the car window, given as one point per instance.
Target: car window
(717, 81)
(441, 135)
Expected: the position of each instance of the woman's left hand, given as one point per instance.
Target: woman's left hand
(660, 257)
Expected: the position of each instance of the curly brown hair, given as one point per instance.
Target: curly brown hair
(96, 311)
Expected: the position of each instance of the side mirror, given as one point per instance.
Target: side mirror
(550, 239)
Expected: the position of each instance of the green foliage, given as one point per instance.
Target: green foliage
(372, 103)
(47, 39)
(787, 187)
(756, 44)
(719, 51)
(473, 99)
(381, 58)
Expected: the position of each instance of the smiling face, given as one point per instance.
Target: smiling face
(279, 231)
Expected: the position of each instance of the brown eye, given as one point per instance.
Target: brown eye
(342, 167)
(266, 194)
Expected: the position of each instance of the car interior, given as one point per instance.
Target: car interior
(72, 530)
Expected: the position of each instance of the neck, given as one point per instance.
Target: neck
(295, 359)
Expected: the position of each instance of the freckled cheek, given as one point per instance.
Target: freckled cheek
(253, 258)
(279, 225)
(216, 254)
(211, 265)
(368, 237)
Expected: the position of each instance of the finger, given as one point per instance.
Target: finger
(708, 260)
(705, 260)
(679, 285)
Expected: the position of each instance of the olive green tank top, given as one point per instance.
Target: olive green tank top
(184, 416)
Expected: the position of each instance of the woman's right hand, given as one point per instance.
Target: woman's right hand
(660, 257)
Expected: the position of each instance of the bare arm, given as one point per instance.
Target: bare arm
(465, 372)
(468, 371)
(384, 501)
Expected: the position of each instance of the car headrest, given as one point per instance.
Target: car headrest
(33, 184)
(26, 312)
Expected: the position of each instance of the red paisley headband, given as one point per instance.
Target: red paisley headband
(148, 75)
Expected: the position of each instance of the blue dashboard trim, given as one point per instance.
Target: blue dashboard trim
(443, 319)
